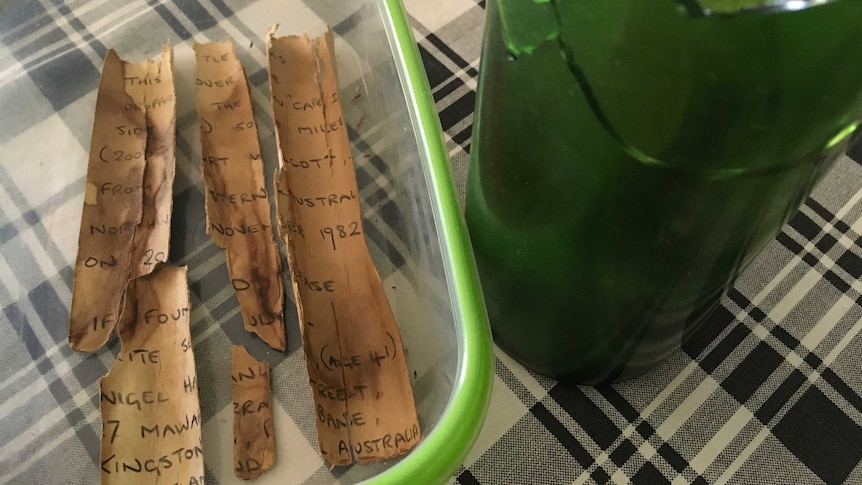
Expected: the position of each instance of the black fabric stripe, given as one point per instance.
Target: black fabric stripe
(738, 298)
(813, 360)
(648, 473)
(513, 383)
(619, 403)
(435, 70)
(457, 111)
(781, 395)
(826, 242)
(821, 436)
(222, 7)
(715, 323)
(810, 259)
(851, 263)
(819, 209)
(672, 457)
(837, 281)
(463, 135)
(586, 413)
(757, 314)
(445, 49)
(752, 372)
(574, 447)
(467, 478)
(785, 337)
(623, 452)
(788, 242)
(391, 252)
(349, 23)
(170, 19)
(447, 89)
(805, 226)
(724, 348)
(645, 429)
(600, 476)
(842, 388)
(79, 26)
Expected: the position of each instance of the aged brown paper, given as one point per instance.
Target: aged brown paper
(237, 203)
(127, 201)
(151, 424)
(151, 85)
(355, 359)
(253, 436)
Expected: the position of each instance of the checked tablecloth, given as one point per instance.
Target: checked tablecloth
(767, 392)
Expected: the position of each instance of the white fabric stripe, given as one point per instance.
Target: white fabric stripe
(743, 456)
(661, 398)
(849, 205)
(118, 19)
(827, 227)
(39, 428)
(720, 440)
(72, 34)
(842, 344)
(68, 433)
(827, 322)
(687, 408)
(620, 476)
(79, 7)
(30, 367)
(794, 296)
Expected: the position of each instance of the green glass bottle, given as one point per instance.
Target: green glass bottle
(631, 157)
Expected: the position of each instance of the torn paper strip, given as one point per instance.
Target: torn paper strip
(112, 209)
(151, 423)
(355, 358)
(237, 202)
(253, 436)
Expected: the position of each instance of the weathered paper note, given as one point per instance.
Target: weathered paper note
(237, 203)
(253, 436)
(151, 424)
(151, 85)
(125, 223)
(355, 359)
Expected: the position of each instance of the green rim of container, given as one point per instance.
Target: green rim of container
(443, 450)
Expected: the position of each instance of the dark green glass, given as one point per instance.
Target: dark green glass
(631, 157)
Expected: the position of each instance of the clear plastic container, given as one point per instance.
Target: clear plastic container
(414, 228)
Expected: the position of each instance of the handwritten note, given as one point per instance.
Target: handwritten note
(253, 435)
(151, 85)
(237, 204)
(151, 423)
(364, 404)
(125, 223)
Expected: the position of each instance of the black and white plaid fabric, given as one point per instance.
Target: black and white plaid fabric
(767, 392)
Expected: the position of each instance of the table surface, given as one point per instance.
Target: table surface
(767, 392)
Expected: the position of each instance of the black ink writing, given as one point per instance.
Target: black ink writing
(339, 422)
(314, 285)
(171, 429)
(321, 128)
(92, 262)
(133, 399)
(240, 229)
(142, 356)
(219, 83)
(339, 231)
(155, 315)
(328, 200)
(249, 407)
(241, 198)
(123, 228)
